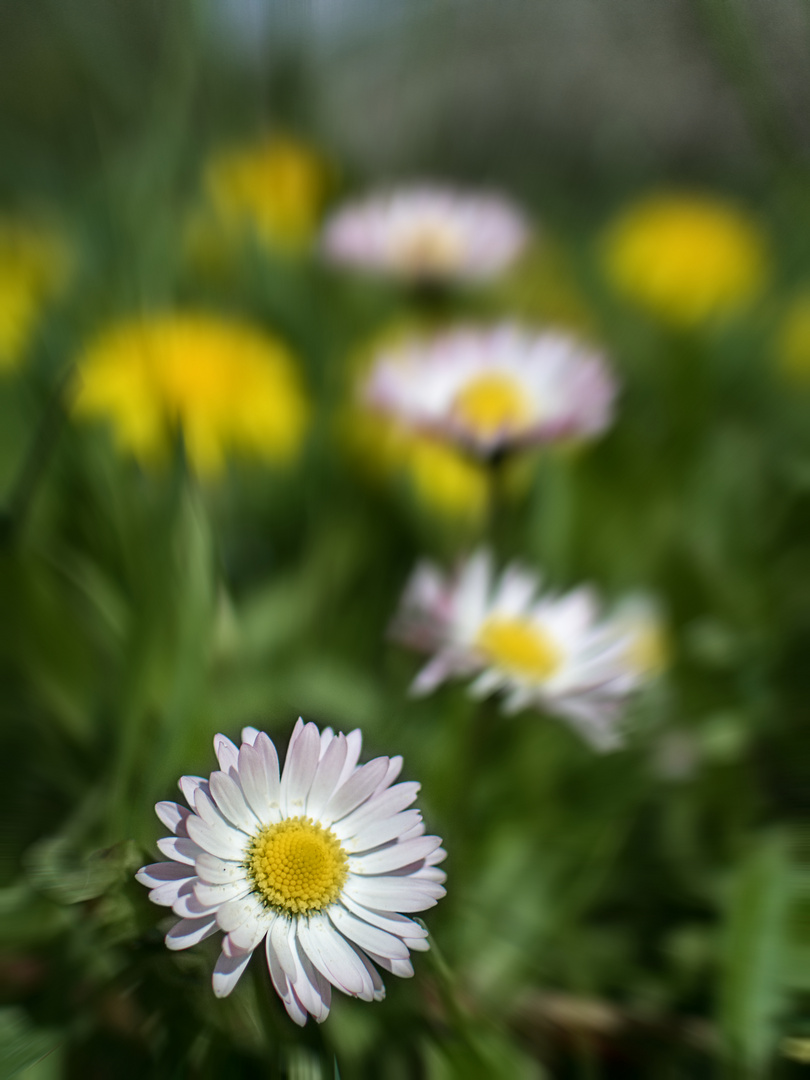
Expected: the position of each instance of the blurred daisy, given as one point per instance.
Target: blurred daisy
(428, 234)
(34, 266)
(494, 389)
(274, 188)
(685, 258)
(554, 653)
(317, 862)
(229, 386)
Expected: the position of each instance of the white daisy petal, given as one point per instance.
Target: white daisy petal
(393, 893)
(190, 932)
(380, 832)
(189, 786)
(310, 986)
(333, 956)
(391, 921)
(395, 856)
(299, 770)
(227, 972)
(227, 754)
(330, 767)
(381, 806)
(249, 735)
(217, 839)
(365, 935)
(402, 968)
(157, 874)
(173, 816)
(354, 744)
(279, 941)
(214, 871)
(360, 785)
(179, 849)
(230, 801)
(217, 895)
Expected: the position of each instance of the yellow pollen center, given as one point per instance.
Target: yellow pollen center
(520, 647)
(297, 866)
(430, 249)
(492, 403)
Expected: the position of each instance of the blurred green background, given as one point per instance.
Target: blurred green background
(640, 914)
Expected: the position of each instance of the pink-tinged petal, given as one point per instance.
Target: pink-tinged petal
(249, 735)
(173, 816)
(214, 871)
(396, 826)
(354, 746)
(260, 783)
(326, 777)
(227, 753)
(166, 895)
(381, 806)
(230, 801)
(366, 936)
(432, 675)
(218, 840)
(159, 873)
(431, 873)
(189, 785)
(393, 893)
(418, 944)
(215, 895)
(395, 856)
(267, 752)
(179, 848)
(190, 932)
(356, 790)
(391, 921)
(333, 956)
(299, 771)
(326, 738)
(227, 973)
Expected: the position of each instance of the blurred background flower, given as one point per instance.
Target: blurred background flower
(226, 386)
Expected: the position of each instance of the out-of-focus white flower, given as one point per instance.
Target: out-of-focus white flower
(317, 862)
(428, 233)
(496, 388)
(556, 653)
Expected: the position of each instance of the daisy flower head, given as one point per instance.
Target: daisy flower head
(555, 653)
(684, 257)
(494, 389)
(318, 860)
(428, 234)
(229, 386)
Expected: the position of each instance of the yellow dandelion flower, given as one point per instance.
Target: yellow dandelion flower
(229, 386)
(34, 265)
(685, 258)
(274, 188)
(793, 337)
(445, 480)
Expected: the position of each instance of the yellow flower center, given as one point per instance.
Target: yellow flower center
(519, 646)
(297, 866)
(427, 250)
(489, 404)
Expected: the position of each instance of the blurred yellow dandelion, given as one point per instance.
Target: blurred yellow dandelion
(34, 266)
(228, 385)
(793, 337)
(685, 258)
(274, 188)
(445, 480)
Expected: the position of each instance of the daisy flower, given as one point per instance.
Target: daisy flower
(317, 861)
(545, 651)
(494, 389)
(228, 385)
(428, 233)
(685, 257)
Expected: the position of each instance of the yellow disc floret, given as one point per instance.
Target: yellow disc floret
(297, 866)
(520, 647)
(685, 257)
(489, 404)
